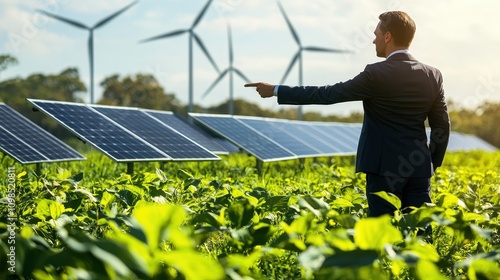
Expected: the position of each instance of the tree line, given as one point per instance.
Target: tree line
(144, 91)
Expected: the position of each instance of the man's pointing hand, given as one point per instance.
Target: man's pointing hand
(264, 89)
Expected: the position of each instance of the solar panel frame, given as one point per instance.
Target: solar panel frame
(247, 143)
(29, 143)
(152, 155)
(163, 137)
(192, 132)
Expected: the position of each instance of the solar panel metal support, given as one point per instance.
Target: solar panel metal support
(130, 168)
(38, 168)
(259, 164)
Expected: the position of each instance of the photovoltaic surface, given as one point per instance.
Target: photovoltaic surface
(161, 136)
(92, 127)
(245, 137)
(284, 138)
(190, 131)
(28, 143)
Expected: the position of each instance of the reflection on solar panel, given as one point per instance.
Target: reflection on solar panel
(245, 137)
(465, 142)
(161, 136)
(284, 138)
(92, 127)
(336, 136)
(192, 132)
(28, 143)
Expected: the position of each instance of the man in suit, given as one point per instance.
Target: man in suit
(398, 95)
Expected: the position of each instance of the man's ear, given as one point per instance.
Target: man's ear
(387, 37)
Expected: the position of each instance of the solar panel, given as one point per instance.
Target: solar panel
(245, 137)
(336, 137)
(27, 143)
(190, 131)
(92, 127)
(161, 136)
(311, 136)
(284, 138)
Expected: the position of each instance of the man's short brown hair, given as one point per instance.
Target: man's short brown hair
(400, 25)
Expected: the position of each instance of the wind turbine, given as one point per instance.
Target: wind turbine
(298, 54)
(192, 35)
(91, 37)
(231, 70)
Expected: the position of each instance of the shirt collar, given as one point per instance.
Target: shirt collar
(398, 51)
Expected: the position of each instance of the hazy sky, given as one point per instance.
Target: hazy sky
(459, 37)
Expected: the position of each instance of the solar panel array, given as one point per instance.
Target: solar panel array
(124, 134)
(27, 143)
(132, 134)
(274, 139)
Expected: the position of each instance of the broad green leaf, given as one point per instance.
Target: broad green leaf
(162, 221)
(106, 198)
(161, 175)
(313, 257)
(341, 203)
(351, 259)
(390, 197)
(448, 200)
(243, 263)
(374, 233)
(428, 270)
(48, 209)
(193, 265)
(483, 269)
(424, 250)
(241, 213)
(315, 205)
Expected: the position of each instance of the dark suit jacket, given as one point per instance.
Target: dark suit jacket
(398, 95)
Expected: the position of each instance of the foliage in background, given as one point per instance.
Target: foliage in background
(220, 220)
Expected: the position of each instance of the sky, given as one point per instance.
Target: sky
(459, 37)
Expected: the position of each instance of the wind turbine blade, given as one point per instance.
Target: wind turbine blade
(239, 73)
(166, 35)
(290, 67)
(68, 21)
(320, 49)
(221, 76)
(231, 56)
(201, 14)
(106, 20)
(204, 49)
(290, 26)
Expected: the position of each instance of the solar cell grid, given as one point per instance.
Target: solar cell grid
(245, 137)
(94, 128)
(289, 141)
(345, 143)
(19, 150)
(28, 143)
(192, 132)
(169, 141)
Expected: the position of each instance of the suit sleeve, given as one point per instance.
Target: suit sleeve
(439, 122)
(358, 88)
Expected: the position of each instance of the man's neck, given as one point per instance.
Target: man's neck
(396, 50)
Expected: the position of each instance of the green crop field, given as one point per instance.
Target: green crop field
(221, 220)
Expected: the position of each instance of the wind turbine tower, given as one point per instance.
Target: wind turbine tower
(91, 37)
(197, 39)
(298, 55)
(231, 70)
